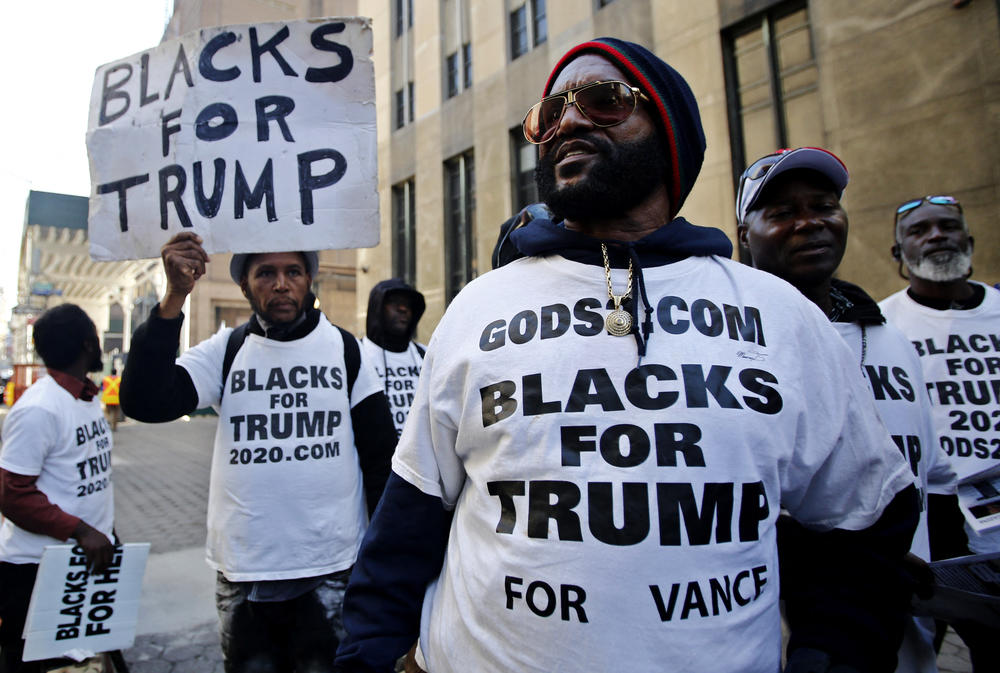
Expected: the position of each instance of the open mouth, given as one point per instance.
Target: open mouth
(574, 148)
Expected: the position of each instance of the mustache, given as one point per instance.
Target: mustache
(603, 145)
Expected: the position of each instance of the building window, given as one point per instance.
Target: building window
(772, 84)
(525, 156)
(603, 3)
(404, 16)
(539, 22)
(460, 215)
(404, 232)
(519, 32)
(528, 27)
(451, 70)
(467, 65)
(400, 109)
(452, 73)
(403, 108)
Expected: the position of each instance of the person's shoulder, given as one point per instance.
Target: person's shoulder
(41, 402)
(894, 299)
(992, 293)
(328, 329)
(756, 283)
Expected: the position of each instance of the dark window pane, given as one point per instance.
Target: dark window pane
(400, 110)
(524, 159)
(399, 17)
(460, 202)
(467, 65)
(409, 101)
(540, 22)
(404, 232)
(518, 32)
(451, 70)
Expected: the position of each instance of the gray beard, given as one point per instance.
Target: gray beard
(941, 267)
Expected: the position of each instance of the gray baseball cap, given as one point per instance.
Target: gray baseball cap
(767, 168)
(237, 266)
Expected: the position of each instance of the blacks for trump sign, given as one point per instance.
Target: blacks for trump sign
(74, 612)
(257, 137)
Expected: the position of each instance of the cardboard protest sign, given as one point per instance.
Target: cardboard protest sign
(259, 138)
(74, 613)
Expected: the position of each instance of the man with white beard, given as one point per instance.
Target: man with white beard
(954, 323)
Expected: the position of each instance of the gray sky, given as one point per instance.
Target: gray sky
(49, 53)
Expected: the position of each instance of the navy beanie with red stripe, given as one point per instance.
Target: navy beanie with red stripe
(672, 99)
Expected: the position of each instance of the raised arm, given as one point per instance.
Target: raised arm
(154, 388)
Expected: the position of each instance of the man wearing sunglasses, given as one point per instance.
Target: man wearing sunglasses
(953, 322)
(791, 221)
(606, 428)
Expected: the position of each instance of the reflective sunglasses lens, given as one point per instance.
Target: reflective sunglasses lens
(943, 200)
(606, 104)
(758, 170)
(909, 205)
(542, 119)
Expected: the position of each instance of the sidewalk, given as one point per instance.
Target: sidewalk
(161, 490)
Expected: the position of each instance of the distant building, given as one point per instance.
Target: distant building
(56, 268)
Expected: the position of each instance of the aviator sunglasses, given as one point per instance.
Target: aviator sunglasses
(907, 206)
(605, 103)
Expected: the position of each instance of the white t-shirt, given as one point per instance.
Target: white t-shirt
(535, 425)
(67, 443)
(959, 351)
(286, 498)
(399, 373)
(892, 371)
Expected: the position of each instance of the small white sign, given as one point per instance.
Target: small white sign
(76, 614)
(979, 499)
(259, 138)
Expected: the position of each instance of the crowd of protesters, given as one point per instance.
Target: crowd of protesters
(619, 448)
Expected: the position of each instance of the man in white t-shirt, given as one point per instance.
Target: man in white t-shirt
(954, 324)
(606, 429)
(394, 309)
(301, 452)
(793, 225)
(55, 471)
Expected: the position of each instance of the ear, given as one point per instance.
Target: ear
(741, 235)
(244, 287)
(972, 243)
(895, 252)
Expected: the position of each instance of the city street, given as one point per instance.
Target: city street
(161, 488)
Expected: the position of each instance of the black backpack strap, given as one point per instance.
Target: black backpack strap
(420, 349)
(352, 358)
(236, 339)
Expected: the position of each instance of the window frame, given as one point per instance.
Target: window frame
(404, 231)
(459, 222)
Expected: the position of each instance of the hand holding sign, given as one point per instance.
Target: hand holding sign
(96, 546)
(184, 263)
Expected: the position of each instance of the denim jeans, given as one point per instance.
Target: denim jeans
(300, 635)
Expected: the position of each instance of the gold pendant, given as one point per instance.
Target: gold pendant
(618, 323)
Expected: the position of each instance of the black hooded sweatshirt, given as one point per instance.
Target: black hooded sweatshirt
(376, 301)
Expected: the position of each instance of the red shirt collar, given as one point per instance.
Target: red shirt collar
(80, 389)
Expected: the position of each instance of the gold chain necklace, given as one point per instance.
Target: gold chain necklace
(618, 322)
